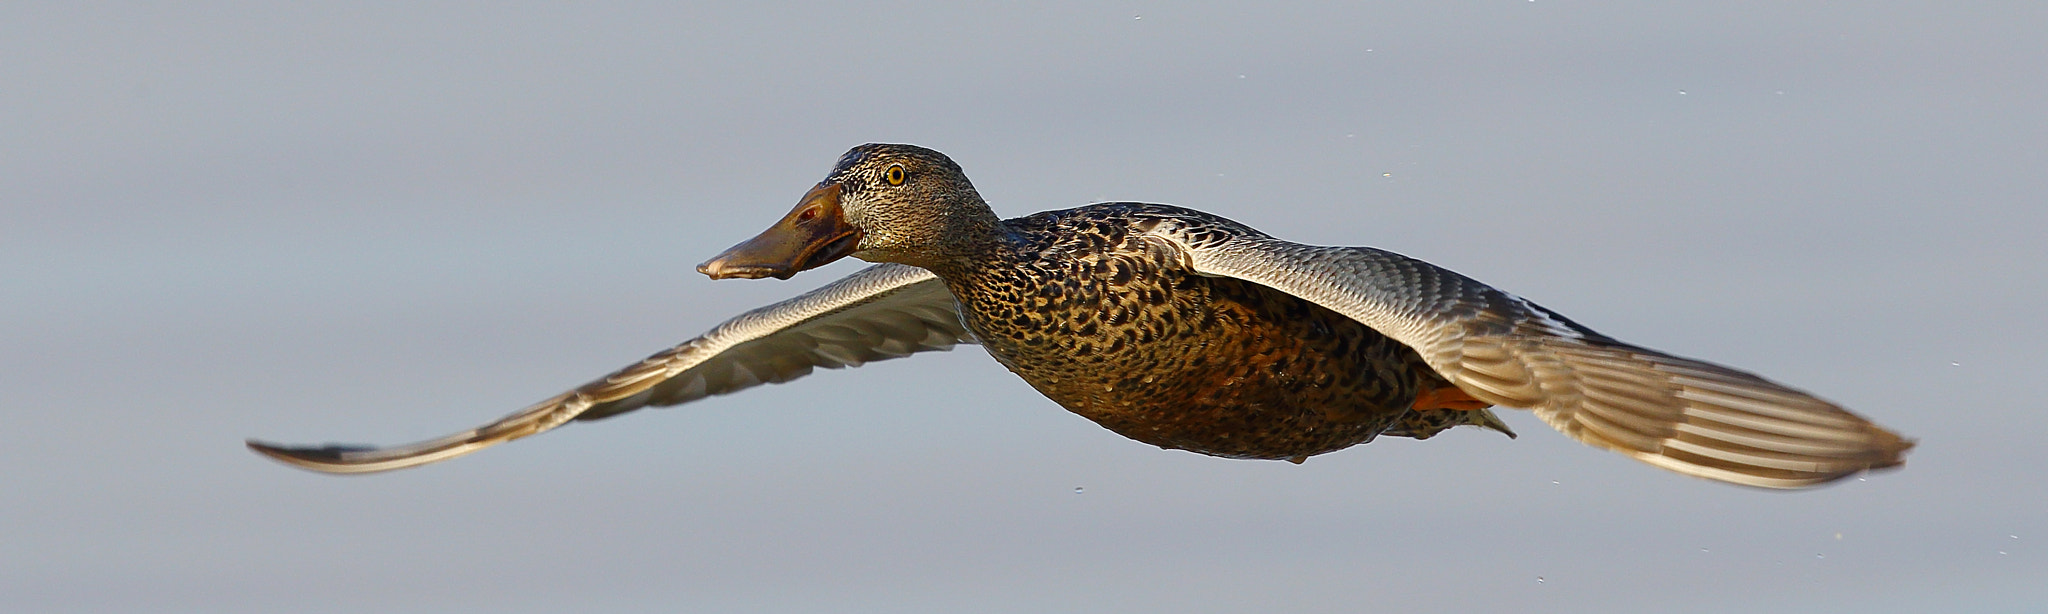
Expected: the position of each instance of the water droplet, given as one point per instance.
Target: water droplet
(1539, 579)
(1079, 490)
(1240, 76)
(1954, 363)
(1137, 18)
(2001, 553)
(1820, 556)
(2013, 536)
(1350, 136)
(1838, 536)
(1781, 92)
(1553, 482)
(1704, 551)
(1681, 92)
(1386, 174)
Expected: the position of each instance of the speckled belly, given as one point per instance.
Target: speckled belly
(1210, 365)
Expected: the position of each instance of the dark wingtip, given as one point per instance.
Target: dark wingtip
(301, 455)
(1894, 449)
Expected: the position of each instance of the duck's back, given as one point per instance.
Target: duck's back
(1108, 324)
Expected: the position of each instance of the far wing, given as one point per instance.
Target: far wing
(1681, 414)
(882, 312)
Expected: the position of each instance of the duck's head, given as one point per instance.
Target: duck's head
(881, 203)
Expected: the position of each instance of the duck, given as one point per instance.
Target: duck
(1188, 331)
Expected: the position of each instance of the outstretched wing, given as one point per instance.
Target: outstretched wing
(1681, 414)
(882, 312)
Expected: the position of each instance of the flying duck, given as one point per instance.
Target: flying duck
(1189, 331)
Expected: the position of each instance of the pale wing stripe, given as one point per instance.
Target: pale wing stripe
(1741, 458)
(1737, 386)
(1623, 396)
(1652, 423)
(885, 311)
(1746, 478)
(1620, 377)
(1790, 411)
(1763, 441)
(1754, 423)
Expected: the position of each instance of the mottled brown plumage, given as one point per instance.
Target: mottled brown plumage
(1113, 328)
(1189, 331)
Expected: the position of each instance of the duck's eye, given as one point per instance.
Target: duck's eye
(894, 175)
(807, 215)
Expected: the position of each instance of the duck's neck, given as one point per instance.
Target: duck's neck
(969, 247)
(952, 241)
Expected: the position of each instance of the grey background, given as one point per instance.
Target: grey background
(378, 224)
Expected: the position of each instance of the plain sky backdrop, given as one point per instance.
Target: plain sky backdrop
(366, 222)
